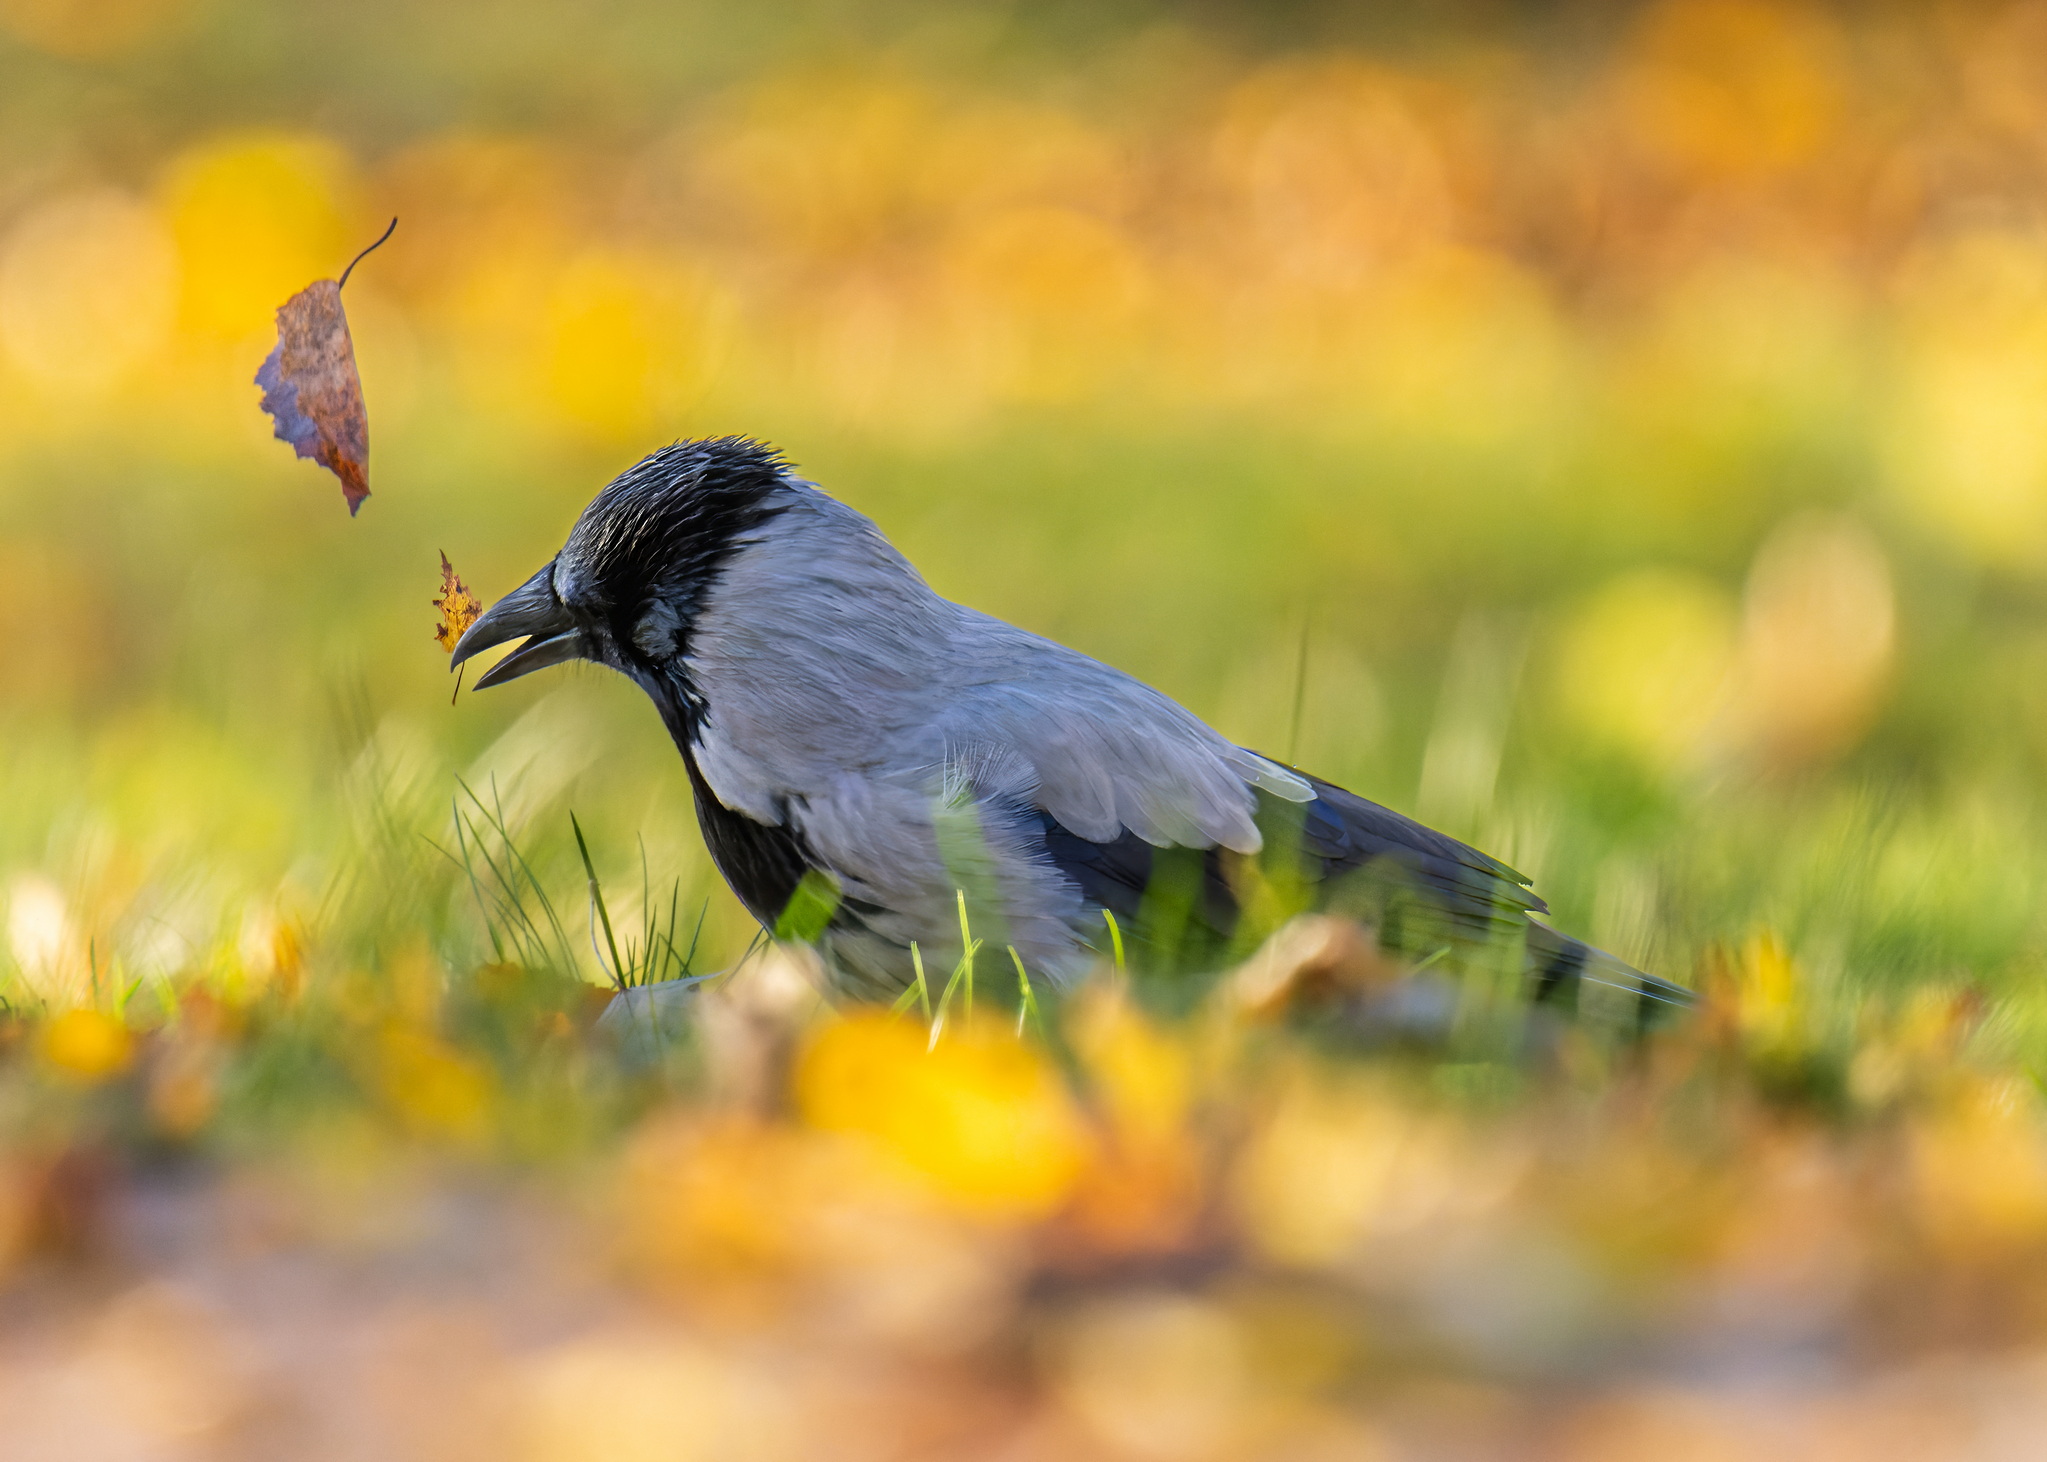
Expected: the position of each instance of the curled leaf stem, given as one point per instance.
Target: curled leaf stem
(343, 282)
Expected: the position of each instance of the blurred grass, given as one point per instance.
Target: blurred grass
(1633, 410)
(1633, 418)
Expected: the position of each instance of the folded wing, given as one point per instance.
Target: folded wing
(1109, 772)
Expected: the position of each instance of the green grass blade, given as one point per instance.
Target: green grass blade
(619, 971)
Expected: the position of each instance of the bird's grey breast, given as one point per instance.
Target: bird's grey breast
(819, 654)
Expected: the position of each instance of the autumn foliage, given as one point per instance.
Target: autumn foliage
(458, 607)
(1614, 433)
(311, 387)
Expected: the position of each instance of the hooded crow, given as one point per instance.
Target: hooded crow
(839, 720)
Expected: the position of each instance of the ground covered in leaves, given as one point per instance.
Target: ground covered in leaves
(437, 1213)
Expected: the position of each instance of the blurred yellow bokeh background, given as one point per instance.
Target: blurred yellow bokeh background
(1684, 362)
(1614, 431)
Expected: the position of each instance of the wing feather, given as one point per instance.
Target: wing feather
(1108, 754)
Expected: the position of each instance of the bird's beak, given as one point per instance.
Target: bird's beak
(531, 611)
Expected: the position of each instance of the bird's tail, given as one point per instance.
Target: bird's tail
(1563, 968)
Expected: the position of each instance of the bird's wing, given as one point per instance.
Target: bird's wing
(1468, 896)
(1348, 831)
(1112, 770)
(1341, 836)
(1100, 753)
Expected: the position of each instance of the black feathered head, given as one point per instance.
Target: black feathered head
(627, 585)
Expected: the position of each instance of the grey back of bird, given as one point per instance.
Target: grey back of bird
(914, 746)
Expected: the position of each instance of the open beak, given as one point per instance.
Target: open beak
(530, 611)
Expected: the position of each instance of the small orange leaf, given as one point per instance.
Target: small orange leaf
(458, 607)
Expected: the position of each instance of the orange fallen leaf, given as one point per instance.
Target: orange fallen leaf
(459, 609)
(88, 1045)
(311, 388)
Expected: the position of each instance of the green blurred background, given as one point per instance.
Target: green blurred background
(1615, 433)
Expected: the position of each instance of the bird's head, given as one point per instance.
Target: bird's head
(625, 588)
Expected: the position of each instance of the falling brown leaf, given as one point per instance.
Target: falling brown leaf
(311, 388)
(458, 607)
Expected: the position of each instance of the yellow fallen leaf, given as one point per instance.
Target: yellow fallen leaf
(458, 607)
(87, 1044)
(981, 1117)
